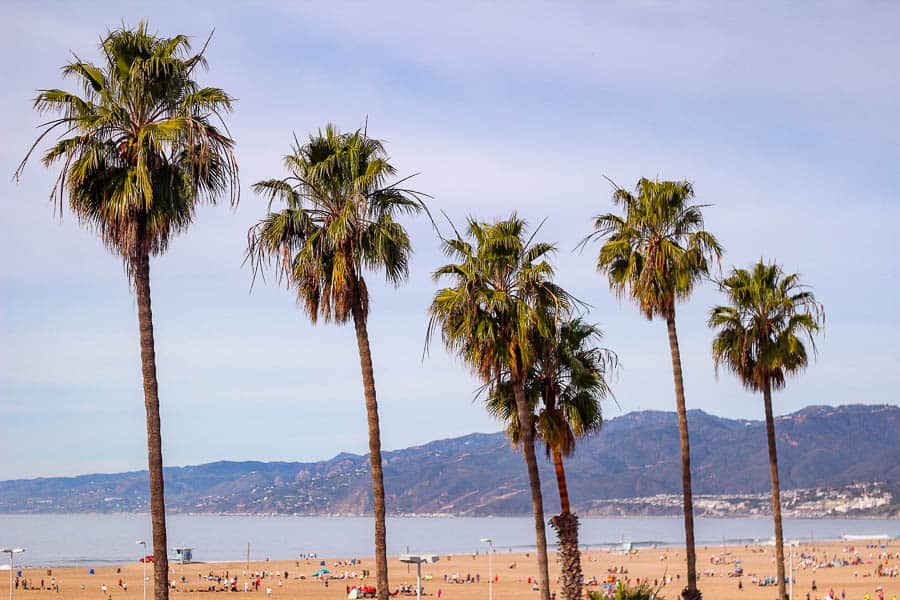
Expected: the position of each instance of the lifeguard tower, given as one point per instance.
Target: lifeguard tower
(183, 555)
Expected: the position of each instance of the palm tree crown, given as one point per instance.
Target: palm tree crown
(500, 300)
(338, 220)
(564, 387)
(139, 150)
(658, 251)
(760, 334)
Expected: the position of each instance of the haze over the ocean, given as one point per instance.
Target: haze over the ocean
(786, 118)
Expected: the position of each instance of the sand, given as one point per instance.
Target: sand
(512, 569)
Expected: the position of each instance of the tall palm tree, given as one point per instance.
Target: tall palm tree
(501, 297)
(338, 222)
(139, 153)
(760, 338)
(564, 388)
(655, 254)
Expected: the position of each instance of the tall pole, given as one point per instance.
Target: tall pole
(419, 580)
(11, 551)
(792, 572)
(490, 543)
(491, 569)
(248, 557)
(144, 564)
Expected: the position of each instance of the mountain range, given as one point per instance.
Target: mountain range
(634, 456)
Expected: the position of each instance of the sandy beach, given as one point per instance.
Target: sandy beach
(289, 579)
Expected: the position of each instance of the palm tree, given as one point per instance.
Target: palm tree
(759, 337)
(655, 254)
(569, 377)
(338, 222)
(501, 298)
(139, 153)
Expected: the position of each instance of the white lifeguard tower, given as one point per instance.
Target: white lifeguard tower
(183, 555)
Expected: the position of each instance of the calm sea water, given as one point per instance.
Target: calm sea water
(57, 540)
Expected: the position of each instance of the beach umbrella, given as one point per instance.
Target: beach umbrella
(321, 572)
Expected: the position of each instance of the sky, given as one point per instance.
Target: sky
(785, 116)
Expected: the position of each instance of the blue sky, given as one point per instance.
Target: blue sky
(785, 117)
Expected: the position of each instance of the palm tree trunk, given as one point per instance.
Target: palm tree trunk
(368, 377)
(154, 435)
(691, 593)
(534, 479)
(561, 481)
(566, 526)
(776, 491)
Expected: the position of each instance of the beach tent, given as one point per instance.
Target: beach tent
(321, 572)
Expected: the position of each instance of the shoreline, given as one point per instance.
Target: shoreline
(829, 517)
(514, 550)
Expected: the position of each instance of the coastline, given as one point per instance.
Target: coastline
(588, 515)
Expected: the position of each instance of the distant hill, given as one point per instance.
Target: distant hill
(636, 455)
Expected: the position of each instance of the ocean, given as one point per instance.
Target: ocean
(95, 539)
